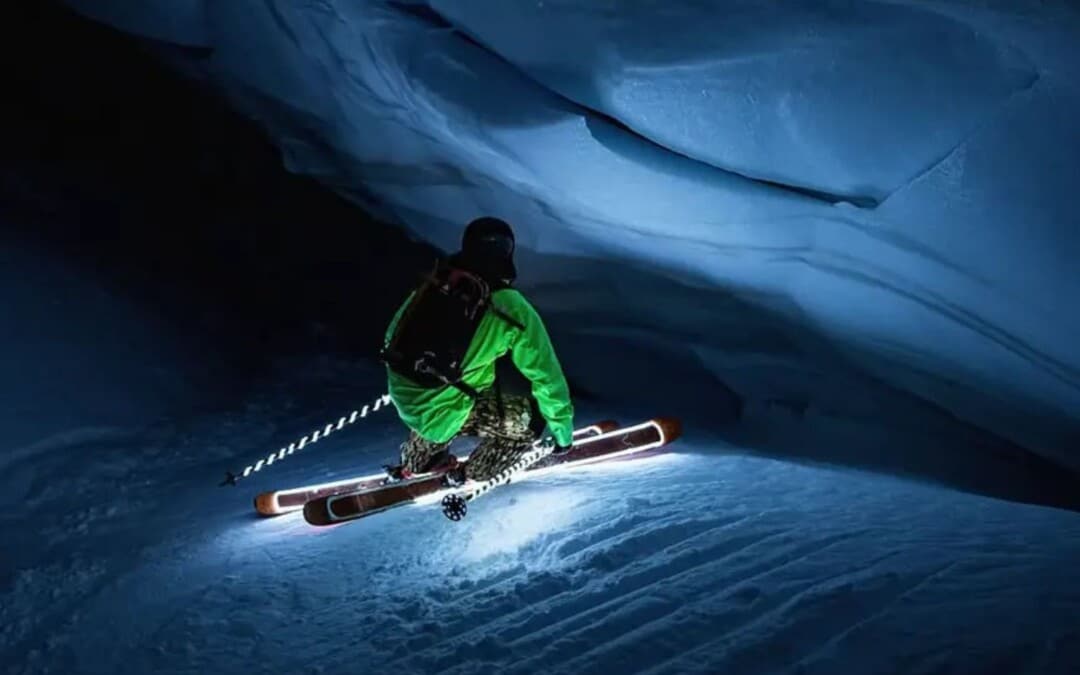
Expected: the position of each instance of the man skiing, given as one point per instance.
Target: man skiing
(441, 348)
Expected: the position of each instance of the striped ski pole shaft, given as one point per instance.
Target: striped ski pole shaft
(314, 437)
(455, 505)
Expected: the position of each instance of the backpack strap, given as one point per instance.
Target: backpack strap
(428, 282)
(466, 389)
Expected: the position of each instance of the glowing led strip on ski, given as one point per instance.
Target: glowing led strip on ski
(662, 440)
(519, 468)
(314, 437)
(591, 430)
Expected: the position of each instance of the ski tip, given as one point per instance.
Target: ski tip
(266, 504)
(670, 426)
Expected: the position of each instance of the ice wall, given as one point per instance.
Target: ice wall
(851, 101)
(831, 200)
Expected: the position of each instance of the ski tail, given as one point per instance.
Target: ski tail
(344, 507)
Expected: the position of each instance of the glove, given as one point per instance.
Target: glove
(549, 442)
(560, 450)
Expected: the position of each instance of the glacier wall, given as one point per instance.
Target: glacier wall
(790, 210)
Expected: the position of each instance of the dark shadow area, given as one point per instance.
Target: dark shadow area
(152, 185)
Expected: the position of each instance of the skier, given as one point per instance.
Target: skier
(441, 348)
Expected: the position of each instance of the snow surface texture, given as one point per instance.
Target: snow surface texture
(879, 191)
(687, 562)
(89, 368)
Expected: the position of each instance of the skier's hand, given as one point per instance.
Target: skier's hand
(548, 442)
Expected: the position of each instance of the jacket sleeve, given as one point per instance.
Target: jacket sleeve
(392, 326)
(534, 356)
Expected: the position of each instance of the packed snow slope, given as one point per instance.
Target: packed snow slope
(697, 561)
(836, 194)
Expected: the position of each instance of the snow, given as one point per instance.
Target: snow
(690, 561)
(888, 183)
(793, 96)
(837, 240)
(94, 375)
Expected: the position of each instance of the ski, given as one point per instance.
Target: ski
(279, 502)
(617, 444)
(345, 507)
(636, 440)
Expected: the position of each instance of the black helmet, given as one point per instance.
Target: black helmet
(487, 247)
(488, 236)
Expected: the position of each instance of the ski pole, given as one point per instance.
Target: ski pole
(455, 505)
(278, 455)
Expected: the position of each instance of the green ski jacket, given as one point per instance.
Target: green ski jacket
(438, 414)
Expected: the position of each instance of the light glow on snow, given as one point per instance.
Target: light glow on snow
(507, 527)
(512, 521)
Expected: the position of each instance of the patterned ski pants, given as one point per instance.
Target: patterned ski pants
(503, 437)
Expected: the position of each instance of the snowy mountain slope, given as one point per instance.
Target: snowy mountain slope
(687, 562)
(647, 148)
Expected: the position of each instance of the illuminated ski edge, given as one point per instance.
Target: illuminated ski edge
(589, 434)
(662, 439)
(467, 490)
(593, 431)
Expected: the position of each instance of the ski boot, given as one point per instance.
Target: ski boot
(454, 477)
(440, 463)
(395, 473)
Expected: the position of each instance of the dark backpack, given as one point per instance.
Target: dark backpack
(434, 332)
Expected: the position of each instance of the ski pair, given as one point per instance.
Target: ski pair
(279, 502)
(595, 444)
